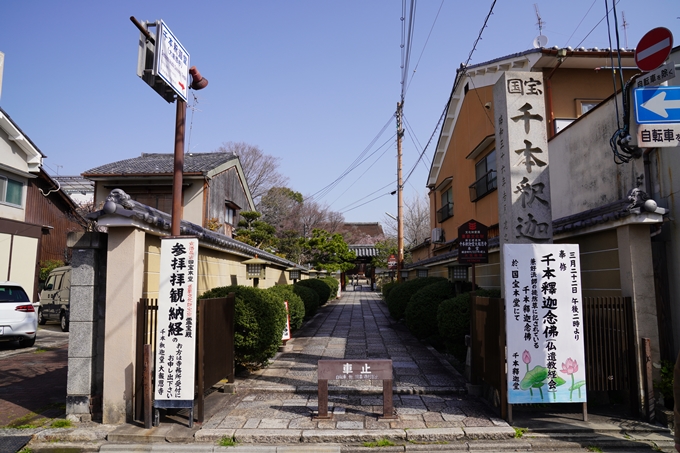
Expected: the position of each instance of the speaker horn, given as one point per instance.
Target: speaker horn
(197, 81)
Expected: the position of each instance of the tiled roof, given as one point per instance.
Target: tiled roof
(157, 163)
(119, 204)
(363, 251)
(569, 224)
(74, 183)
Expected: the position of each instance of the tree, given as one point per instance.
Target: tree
(329, 252)
(260, 169)
(278, 205)
(253, 231)
(385, 248)
(290, 246)
(416, 221)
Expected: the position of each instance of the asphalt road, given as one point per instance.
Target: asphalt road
(50, 336)
(33, 380)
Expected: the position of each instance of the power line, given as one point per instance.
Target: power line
(369, 201)
(325, 190)
(406, 43)
(459, 77)
(417, 146)
(597, 24)
(425, 45)
(369, 167)
(579, 24)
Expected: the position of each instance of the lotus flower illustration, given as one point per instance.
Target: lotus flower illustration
(570, 367)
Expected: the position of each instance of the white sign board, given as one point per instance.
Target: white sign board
(544, 321)
(658, 135)
(176, 331)
(172, 61)
(656, 77)
(286, 329)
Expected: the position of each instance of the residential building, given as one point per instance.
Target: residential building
(592, 194)
(214, 188)
(35, 216)
(20, 162)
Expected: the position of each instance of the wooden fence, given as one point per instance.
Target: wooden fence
(608, 339)
(214, 347)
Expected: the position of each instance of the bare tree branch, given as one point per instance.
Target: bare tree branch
(416, 221)
(260, 169)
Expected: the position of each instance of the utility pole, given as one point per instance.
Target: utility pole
(400, 195)
(178, 167)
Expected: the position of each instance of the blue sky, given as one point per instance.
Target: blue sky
(311, 82)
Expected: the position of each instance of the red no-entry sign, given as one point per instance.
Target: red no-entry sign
(653, 49)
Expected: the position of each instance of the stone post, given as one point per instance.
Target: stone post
(85, 351)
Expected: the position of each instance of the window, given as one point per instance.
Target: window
(583, 106)
(11, 192)
(446, 210)
(229, 216)
(230, 212)
(485, 173)
(458, 273)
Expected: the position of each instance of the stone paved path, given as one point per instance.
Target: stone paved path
(429, 392)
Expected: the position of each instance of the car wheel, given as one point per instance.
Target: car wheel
(41, 317)
(27, 342)
(63, 320)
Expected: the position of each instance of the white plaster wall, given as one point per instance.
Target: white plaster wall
(665, 171)
(583, 174)
(24, 257)
(193, 203)
(124, 285)
(11, 155)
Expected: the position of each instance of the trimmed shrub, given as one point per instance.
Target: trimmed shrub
(260, 320)
(333, 284)
(319, 287)
(309, 297)
(296, 307)
(421, 310)
(387, 288)
(398, 297)
(453, 321)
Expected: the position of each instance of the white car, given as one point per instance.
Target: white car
(18, 318)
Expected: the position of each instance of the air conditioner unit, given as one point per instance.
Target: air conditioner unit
(437, 235)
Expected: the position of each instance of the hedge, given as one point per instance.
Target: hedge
(398, 297)
(309, 297)
(453, 321)
(260, 320)
(421, 310)
(333, 284)
(319, 287)
(296, 307)
(387, 288)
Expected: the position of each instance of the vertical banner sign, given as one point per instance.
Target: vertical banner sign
(286, 328)
(176, 331)
(525, 215)
(544, 320)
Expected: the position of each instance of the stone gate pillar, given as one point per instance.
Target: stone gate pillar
(86, 318)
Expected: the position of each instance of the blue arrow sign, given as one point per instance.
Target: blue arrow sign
(657, 105)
